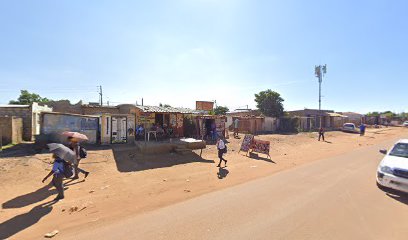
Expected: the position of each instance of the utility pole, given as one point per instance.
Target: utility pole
(320, 71)
(100, 95)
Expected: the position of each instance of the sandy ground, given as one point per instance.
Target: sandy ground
(124, 183)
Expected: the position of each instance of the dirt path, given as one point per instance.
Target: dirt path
(121, 185)
(335, 198)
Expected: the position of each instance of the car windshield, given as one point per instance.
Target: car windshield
(400, 150)
(348, 125)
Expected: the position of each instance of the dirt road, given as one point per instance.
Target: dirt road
(122, 185)
(335, 198)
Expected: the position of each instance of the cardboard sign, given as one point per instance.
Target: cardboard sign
(260, 146)
(204, 105)
(246, 142)
(146, 118)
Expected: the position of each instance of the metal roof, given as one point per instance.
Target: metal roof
(335, 115)
(158, 109)
(14, 106)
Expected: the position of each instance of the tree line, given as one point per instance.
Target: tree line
(269, 103)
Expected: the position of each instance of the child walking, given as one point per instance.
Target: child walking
(57, 173)
(221, 150)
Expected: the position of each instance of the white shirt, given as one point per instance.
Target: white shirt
(220, 144)
(236, 123)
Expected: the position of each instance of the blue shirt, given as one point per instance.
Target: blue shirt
(362, 127)
(58, 167)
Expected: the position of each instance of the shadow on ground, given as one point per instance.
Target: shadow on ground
(131, 160)
(30, 198)
(222, 173)
(25, 220)
(256, 156)
(19, 150)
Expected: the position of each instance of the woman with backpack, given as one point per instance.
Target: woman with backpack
(80, 153)
(222, 148)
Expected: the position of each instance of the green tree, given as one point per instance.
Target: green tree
(27, 98)
(220, 110)
(388, 114)
(269, 103)
(373, 114)
(403, 115)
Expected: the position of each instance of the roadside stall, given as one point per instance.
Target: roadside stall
(160, 122)
(205, 125)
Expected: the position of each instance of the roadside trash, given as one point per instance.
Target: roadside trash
(51, 234)
(73, 209)
(82, 209)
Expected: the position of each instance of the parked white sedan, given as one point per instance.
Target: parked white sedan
(349, 127)
(392, 173)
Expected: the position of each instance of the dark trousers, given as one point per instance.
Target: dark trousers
(57, 183)
(78, 170)
(321, 135)
(362, 132)
(235, 132)
(220, 153)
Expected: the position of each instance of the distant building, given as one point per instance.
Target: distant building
(30, 115)
(54, 123)
(11, 130)
(313, 118)
(353, 117)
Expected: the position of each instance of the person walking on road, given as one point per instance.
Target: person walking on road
(321, 133)
(58, 175)
(362, 129)
(236, 123)
(74, 145)
(221, 150)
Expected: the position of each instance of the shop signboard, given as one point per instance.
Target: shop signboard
(204, 105)
(260, 146)
(246, 143)
(146, 118)
(249, 143)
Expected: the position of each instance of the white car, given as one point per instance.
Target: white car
(392, 173)
(405, 124)
(349, 127)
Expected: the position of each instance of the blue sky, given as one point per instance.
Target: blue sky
(179, 51)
